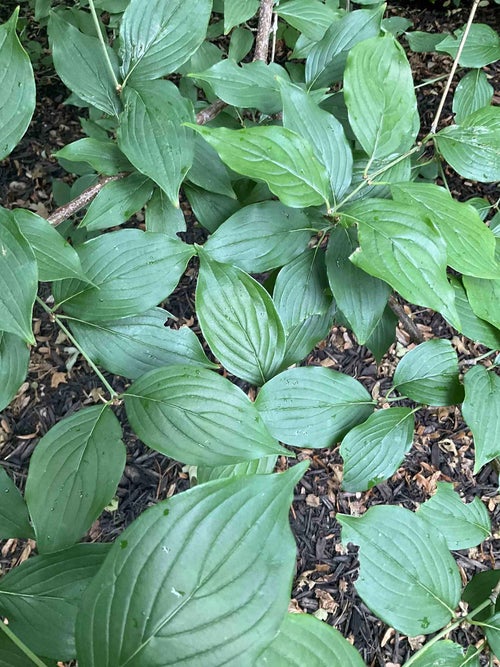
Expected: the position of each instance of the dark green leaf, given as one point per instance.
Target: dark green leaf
(152, 134)
(374, 450)
(472, 326)
(281, 158)
(210, 209)
(198, 417)
(478, 591)
(407, 575)
(423, 42)
(310, 17)
(383, 335)
(41, 596)
(162, 216)
(240, 44)
(262, 466)
(80, 62)
(158, 37)
(304, 640)
(14, 519)
(481, 48)
(228, 532)
(492, 630)
(472, 93)
(381, 184)
(14, 359)
(117, 202)
(135, 345)
(208, 171)
(73, 474)
(12, 656)
(402, 247)
(481, 411)
(239, 321)
(472, 148)
(103, 156)
(429, 374)
(380, 97)
(238, 11)
(444, 653)
(17, 82)
(132, 270)
(361, 297)
(312, 406)
(463, 526)
(55, 257)
(18, 279)
(323, 131)
(261, 237)
(484, 295)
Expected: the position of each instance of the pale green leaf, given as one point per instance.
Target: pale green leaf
(158, 37)
(17, 83)
(484, 295)
(103, 156)
(312, 406)
(402, 247)
(384, 334)
(73, 474)
(238, 11)
(473, 326)
(310, 17)
(210, 209)
(472, 93)
(162, 216)
(239, 321)
(208, 171)
(281, 158)
(463, 526)
(423, 42)
(14, 518)
(481, 411)
(407, 575)
(444, 653)
(481, 48)
(135, 345)
(14, 359)
(380, 97)
(240, 44)
(374, 450)
(153, 136)
(304, 640)
(492, 631)
(202, 562)
(262, 466)
(198, 417)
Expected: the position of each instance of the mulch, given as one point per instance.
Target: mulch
(60, 383)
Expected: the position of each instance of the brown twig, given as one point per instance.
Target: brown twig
(408, 324)
(209, 113)
(263, 30)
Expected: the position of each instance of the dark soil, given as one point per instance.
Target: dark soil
(58, 385)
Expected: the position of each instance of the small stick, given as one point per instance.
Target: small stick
(209, 113)
(263, 30)
(407, 322)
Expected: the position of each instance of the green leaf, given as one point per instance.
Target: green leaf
(210, 209)
(423, 42)
(407, 576)
(472, 148)
(55, 257)
(484, 295)
(208, 171)
(492, 630)
(135, 345)
(326, 60)
(445, 653)
(472, 93)
(80, 63)
(132, 271)
(198, 417)
(402, 247)
(250, 85)
(380, 185)
(262, 466)
(41, 597)
(312, 406)
(103, 156)
(374, 450)
(481, 48)
(463, 526)
(238, 11)
(18, 279)
(14, 359)
(481, 411)
(304, 640)
(14, 518)
(239, 321)
(281, 158)
(73, 474)
(470, 244)
(228, 532)
(261, 237)
(361, 297)
(157, 38)
(472, 326)
(429, 374)
(380, 97)
(310, 17)
(17, 82)
(322, 130)
(117, 202)
(240, 44)
(384, 334)
(162, 216)
(478, 591)
(12, 656)
(152, 133)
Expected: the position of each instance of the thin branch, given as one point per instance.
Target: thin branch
(263, 30)
(67, 210)
(454, 67)
(209, 113)
(408, 324)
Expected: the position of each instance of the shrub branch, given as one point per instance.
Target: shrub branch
(264, 30)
